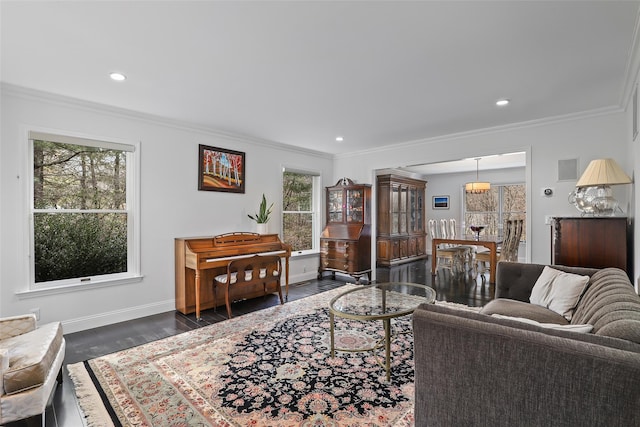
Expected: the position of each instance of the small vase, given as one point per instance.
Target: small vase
(261, 228)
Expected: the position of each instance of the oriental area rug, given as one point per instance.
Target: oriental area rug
(268, 368)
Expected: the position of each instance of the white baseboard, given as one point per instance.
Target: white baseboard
(109, 318)
(303, 277)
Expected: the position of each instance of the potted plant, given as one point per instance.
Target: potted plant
(262, 216)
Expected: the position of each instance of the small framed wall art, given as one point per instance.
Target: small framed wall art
(440, 202)
(220, 169)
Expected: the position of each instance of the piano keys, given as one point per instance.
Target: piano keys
(198, 260)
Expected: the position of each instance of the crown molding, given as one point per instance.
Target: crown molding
(34, 94)
(633, 65)
(487, 131)
(61, 100)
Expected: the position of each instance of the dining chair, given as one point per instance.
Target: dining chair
(510, 253)
(447, 256)
(509, 249)
(469, 258)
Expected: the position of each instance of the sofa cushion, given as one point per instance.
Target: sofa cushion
(17, 325)
(626, 329)
(583, 329)
(509, 307)
(611, 305)
(31, 356)
(558, 291)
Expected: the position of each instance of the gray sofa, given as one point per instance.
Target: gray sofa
(474, 369)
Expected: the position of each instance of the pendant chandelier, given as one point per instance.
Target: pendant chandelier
(477, 186)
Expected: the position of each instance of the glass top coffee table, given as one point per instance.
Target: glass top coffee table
(381, 301)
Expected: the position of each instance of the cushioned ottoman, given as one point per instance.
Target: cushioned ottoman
(30, 363)
(31, 357)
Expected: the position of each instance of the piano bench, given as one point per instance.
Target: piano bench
(257, 269)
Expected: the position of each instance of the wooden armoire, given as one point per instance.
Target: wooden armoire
(401, 233)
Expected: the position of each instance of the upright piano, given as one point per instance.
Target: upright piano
(199, 260)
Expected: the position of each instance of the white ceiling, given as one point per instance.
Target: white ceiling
(303, 72)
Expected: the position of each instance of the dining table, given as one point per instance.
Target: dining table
(490, 242)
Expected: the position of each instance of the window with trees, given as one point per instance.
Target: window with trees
(495, 207)
(300, 209)
(83, 226)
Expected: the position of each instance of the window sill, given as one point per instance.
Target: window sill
(33, 293)
(304, 254)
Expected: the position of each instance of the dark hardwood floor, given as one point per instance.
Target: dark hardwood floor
(97, 342)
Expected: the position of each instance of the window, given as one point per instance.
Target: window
(495, 207)
(300, 201)
(83, 225)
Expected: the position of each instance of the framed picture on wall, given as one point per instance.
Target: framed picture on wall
(440, 202)
(220, 169)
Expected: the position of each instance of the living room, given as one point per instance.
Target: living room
(170, 204)
(172, 207)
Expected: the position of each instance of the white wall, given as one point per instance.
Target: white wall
(633, 154)
(171, 205)
(585, 138)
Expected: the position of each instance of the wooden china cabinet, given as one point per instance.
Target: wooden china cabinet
(345, 243)
(401, 234)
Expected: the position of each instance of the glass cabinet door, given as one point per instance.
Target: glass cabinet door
(395, 210)
(419, 212)
(412, 209)
(403, 209)
(355, 205)
(335, 205)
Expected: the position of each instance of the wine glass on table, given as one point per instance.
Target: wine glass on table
(477, 229)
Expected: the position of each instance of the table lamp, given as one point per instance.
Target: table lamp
(593, 189)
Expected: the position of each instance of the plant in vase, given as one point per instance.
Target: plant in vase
(262, 216)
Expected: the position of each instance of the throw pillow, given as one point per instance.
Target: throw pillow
(558, 291)
(585, 329)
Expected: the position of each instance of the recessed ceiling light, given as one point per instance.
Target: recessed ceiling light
(502, 102)
(119, 77)
(339, 139)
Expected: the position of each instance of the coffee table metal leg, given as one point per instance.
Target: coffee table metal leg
(331, 328)
(387, 347)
